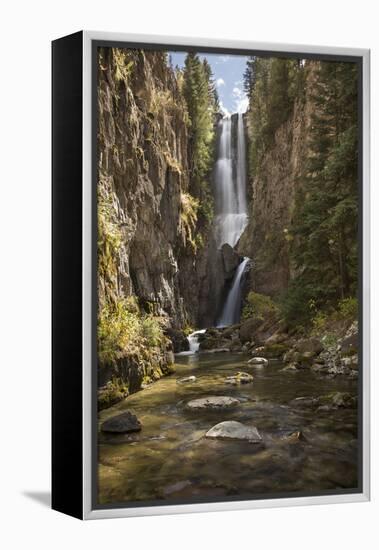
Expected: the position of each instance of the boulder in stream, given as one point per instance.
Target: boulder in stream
(186, 380)
(122, 423)
(258, 361)
(215, 402)
(231, 429)
(239, 378)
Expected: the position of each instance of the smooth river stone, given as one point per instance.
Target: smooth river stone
(231, 429)
(122, 423)
(258, 361)
(214, 402)
(186, 379)
(239, 378)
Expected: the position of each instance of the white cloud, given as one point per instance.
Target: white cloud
(241, 101)
(220, 82)
(223, 109)
(222, 59)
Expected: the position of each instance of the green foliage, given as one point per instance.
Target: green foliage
(348, 308)
(325, 224)
(273, 85)
(188, 216)
(152, 331)
(202, 104)
(258, 306)
(109, 234)
(123, 330)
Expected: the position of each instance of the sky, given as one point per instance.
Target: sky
(228, 74)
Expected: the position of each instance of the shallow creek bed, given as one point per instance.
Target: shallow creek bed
(302, 444)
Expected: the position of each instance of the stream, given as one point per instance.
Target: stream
(171, 460)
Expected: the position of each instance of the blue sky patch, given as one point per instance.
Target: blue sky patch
(228, 75)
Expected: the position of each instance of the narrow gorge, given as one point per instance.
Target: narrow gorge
(227, 261)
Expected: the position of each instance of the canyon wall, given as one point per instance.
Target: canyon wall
(271, 195)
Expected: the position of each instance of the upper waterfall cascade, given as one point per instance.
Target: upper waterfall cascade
(230, 184)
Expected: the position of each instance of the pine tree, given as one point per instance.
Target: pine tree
(201, 98)
(326, 216)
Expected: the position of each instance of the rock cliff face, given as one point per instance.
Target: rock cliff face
(272, 196)
(143, 171)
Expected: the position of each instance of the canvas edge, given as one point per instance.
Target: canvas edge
(88, 512)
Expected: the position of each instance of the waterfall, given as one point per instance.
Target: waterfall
(230, 207)
(193, 342)
(232, 308)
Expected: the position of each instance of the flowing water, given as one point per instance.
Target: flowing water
(193, 342)
(230, 189)
(231, 312)
(170, 460)
(231, 209)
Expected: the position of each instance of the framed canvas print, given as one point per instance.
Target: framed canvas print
(210, 275)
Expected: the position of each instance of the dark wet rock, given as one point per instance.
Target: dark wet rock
(231, 429)
(240, 378)
(328, 402)
(337, 400)
(179, 340)
(231, 332)
(214, 339)
(277, 338)
(350, 342)
(216, 402)
(186, 380)
(258, 361)
(275, 351)
(292, 367)
(313, 345)
(122, 423)
(305, 402)
(248, 329)
(230, 260)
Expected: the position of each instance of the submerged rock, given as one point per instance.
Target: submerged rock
(305, 402)
(231, 429)
(292, 367)
(258, 361)
(239, 378)
(122, 423)
(336, 400)
(186, 380)
(213, 402)
(331, 401)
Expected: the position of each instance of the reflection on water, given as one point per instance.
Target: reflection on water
(170, 459)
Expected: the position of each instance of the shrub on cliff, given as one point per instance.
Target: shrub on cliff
(259, 306)
(123, 330)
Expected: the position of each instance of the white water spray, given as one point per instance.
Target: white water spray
(193, 342)
(231, 212)
(232, 308)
